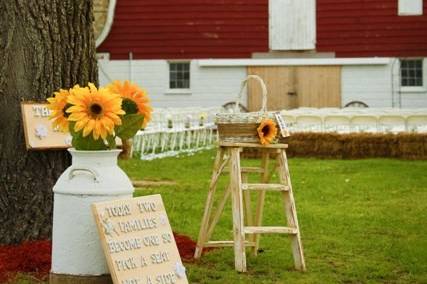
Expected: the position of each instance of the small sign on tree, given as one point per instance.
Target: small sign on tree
(138, 242)
(39, 132)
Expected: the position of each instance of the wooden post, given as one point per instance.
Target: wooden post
(247, 202)
(218, 213)
(290, 211)
(261, 199)
(237, 208)
(209, 202)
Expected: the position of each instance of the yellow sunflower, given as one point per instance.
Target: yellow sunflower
(58, 105)
(267, 131)
(135, 100)
(94, 110)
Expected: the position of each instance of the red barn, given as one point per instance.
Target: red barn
(320, 53)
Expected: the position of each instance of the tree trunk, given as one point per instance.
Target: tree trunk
(44, 45)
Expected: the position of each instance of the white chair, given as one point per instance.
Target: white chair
(364, 123)
(391, 123)
(308, 123)
(289, 120)
(336, 123)
(417, 123)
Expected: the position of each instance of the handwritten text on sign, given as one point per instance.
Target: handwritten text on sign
(138, 242)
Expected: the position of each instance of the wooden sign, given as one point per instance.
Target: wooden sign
(38, 129)
(138, 242)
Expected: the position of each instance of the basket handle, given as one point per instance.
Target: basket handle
(264, 92)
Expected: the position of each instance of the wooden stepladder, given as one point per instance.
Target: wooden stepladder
(239, 189)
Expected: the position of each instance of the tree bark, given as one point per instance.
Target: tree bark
(44, 45)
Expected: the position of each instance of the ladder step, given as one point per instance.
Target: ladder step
(247, 170)
(271, 230)
(253, 145)
(226, 244)
(251, 170)
(265, 186)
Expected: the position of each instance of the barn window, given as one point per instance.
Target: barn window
(410, 7)
(411, 72)
(179, 75)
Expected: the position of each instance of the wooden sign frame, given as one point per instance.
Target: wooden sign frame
(284, 131)
(138, 242)
(46, 137)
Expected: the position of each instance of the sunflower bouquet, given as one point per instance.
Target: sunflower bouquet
(95, 117)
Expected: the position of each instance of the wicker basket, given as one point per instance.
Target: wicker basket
(242, 127)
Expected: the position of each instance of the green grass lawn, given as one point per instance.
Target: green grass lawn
(362, 221)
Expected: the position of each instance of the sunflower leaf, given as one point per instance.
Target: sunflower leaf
(71, 127)
(87, 143)
(131, 123)
(111, 141)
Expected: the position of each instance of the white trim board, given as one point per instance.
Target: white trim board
(293, 62)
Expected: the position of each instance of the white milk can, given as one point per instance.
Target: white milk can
(93, 176)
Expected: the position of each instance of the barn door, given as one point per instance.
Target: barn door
(292, 87)
(280, 84)
(318, 86)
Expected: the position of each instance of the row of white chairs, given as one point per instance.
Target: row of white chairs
(173, 131)
(182, 118)
(158, 143)
(357, 110)
(356, 120)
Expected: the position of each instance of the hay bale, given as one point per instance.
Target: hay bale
(358, 145)
(412, 146)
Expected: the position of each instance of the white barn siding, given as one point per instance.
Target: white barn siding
(414, 100)
(217, 85)
(208, 86)
(378, 86)
(152, 75)
(368, 84)
(292, 24)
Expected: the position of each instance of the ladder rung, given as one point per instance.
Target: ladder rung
(226, 244)
(252, 170)
(265, 186)
(253, 145)
(247, 170)
(271, 230)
